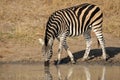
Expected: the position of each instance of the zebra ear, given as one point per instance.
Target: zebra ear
(41, 41)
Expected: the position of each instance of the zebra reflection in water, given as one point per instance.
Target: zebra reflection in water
(67, 77)
(88, 75)
(71, 71)
(48, 75)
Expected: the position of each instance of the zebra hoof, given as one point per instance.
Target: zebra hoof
(85, 59)
(105, 57)
(73, 62)
(46, 63)
(57, 62)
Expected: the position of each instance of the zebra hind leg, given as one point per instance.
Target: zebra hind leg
(102, 43)
(99, 35)
(87, 37)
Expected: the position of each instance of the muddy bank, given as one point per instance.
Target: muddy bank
(66, 62)
(11, 52)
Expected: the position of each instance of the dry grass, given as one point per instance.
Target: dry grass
(24, 20)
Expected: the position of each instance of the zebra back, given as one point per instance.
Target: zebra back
(74, 21)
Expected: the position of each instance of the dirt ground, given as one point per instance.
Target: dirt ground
(22, 22)
(13, 52)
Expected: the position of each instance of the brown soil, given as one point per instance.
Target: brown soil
(13, 52)
(22, 22)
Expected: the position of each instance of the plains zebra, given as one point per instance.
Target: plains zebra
(73, 21)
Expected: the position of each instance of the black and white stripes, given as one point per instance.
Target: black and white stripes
(75, 21)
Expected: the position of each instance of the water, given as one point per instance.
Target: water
(62, 72)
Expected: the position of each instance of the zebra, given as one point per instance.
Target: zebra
(70, 22)
(48, 75)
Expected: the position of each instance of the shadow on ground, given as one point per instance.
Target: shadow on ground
(111, 52)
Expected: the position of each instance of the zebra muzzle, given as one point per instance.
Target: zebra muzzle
(46, 63)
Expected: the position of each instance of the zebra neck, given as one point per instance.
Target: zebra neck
(48, 40)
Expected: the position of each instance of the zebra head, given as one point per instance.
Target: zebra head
(47, 50)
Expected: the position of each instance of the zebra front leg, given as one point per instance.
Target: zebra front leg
(69, 53)
(59, 53)
(61, 40)
(88, 46)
